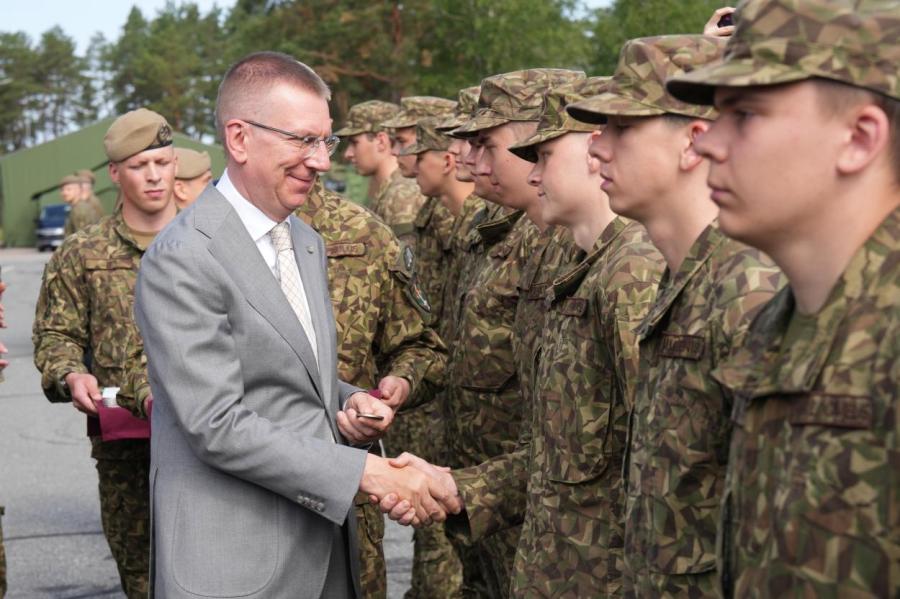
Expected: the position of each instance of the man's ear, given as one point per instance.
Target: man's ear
(868, 132)
(236, 141)
(383, 142)
(449, 164)
(178, 190)
(113, 170)
(690, 157)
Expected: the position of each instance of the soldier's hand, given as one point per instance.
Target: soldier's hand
(364, 418)
(410, 485)
(84, 391)
(712, 26)
(441, 480)
(394, 391)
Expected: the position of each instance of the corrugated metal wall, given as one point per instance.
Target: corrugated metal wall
(29, 171)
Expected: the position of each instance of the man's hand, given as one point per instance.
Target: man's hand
(398, 508)
(394, 391)
(425, 500)
(84, 391)
(359, 429)
(712, 26)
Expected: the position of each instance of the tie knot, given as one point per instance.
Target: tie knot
(281, 236)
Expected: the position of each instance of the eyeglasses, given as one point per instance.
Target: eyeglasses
(306, 144)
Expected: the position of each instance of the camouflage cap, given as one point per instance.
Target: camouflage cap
(86, 175)
(367, 117)
(70, 180)
(428, 137)
(555, 121)
(851, 41)
(638, 87)
(414, 108)
(515, 96)
(191, 163)
(466, 106)
(134, 132)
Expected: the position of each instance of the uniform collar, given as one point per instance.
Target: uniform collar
(569, 283)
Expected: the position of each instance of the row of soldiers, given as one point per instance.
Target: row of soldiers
(546, 292)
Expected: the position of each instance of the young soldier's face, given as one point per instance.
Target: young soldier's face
(560, 175)
(70, 192)
(506, 172)
(772, 154)
(459, 148)
(483, 188)
(403, 138)
(146, 179)
(363, 153)
(639, 159)
(431, 169)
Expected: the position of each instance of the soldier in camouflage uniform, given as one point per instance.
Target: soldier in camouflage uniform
(88, 180)
(812, 499)
(484, 403)
(710, 291)
(380, 315)
(83, 212)
(192, 175)
(84, 326)
(403, 126)
(393, 198)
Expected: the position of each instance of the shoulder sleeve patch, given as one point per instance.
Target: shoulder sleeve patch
(417, 296)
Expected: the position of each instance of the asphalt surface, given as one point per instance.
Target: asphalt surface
(54, 543)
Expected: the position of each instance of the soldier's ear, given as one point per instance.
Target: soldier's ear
(114, 172)
(867, 137)
(690, 157)
(449, 164)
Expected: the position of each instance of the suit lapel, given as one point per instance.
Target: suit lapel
(232, 246)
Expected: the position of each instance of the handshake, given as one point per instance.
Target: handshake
(407, 488)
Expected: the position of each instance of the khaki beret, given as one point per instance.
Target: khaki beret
(86, 175)
(134, 132)
(70, 180)
(191, 164)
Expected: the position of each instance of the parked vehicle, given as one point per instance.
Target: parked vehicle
(50, 226)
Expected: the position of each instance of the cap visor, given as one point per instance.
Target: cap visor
(527, 148)
(479, 123)
(596, 109)
(349, 131)
(416, 148)
(698, 87)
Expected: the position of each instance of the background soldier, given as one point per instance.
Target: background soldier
(810, 88)
(77, 192)
(403, 126)
(88, 181)
(393, 198)
(84, 325)
(192, 174)
(710, 291)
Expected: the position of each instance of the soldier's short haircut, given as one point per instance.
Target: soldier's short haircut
(837, 97)
(248, 81)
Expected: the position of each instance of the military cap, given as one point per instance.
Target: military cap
(853, 42)
(428, 137)
(191, 163)
(638, 86)
(465, 109)
(367, 117)
(135, 132)
(515, 96)
(86, 175)
(555, 121)
(70, 179)
(414, 108)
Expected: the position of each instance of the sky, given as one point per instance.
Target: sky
(82, 18)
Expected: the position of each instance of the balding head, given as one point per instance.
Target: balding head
(243, 90)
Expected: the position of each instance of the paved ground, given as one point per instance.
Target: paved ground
(47, 479)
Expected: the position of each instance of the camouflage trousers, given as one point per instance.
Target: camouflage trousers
(2, 557)
(125, 515)
(370, 533)
(487, 564)
(436, 570)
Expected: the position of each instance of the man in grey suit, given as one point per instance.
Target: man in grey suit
(252, 484)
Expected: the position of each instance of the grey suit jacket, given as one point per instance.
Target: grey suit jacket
(247, 484)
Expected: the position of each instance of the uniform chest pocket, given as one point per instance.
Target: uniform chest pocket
(111, 282)
(487, 363)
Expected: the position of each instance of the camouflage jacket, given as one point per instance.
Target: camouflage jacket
(84, 315)
(82, 215)
(812, 503)
(483, 399)
(434, 236)
(378, 308)
(679, 427)
(397, 203)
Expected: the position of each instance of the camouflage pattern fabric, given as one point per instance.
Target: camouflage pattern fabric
(83, 214)
(467, 103)
(484, 407)
(428, 138)
(367, 117)
(679, 426)
(813, 487)
(434, 232)
(514, 96)
(381, 327)
(780, 41)
(638, 86)
(415, 108)
(85, 309)
(125, 515)
(397, 202)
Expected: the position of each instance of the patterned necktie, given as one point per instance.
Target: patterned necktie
(291, 284)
